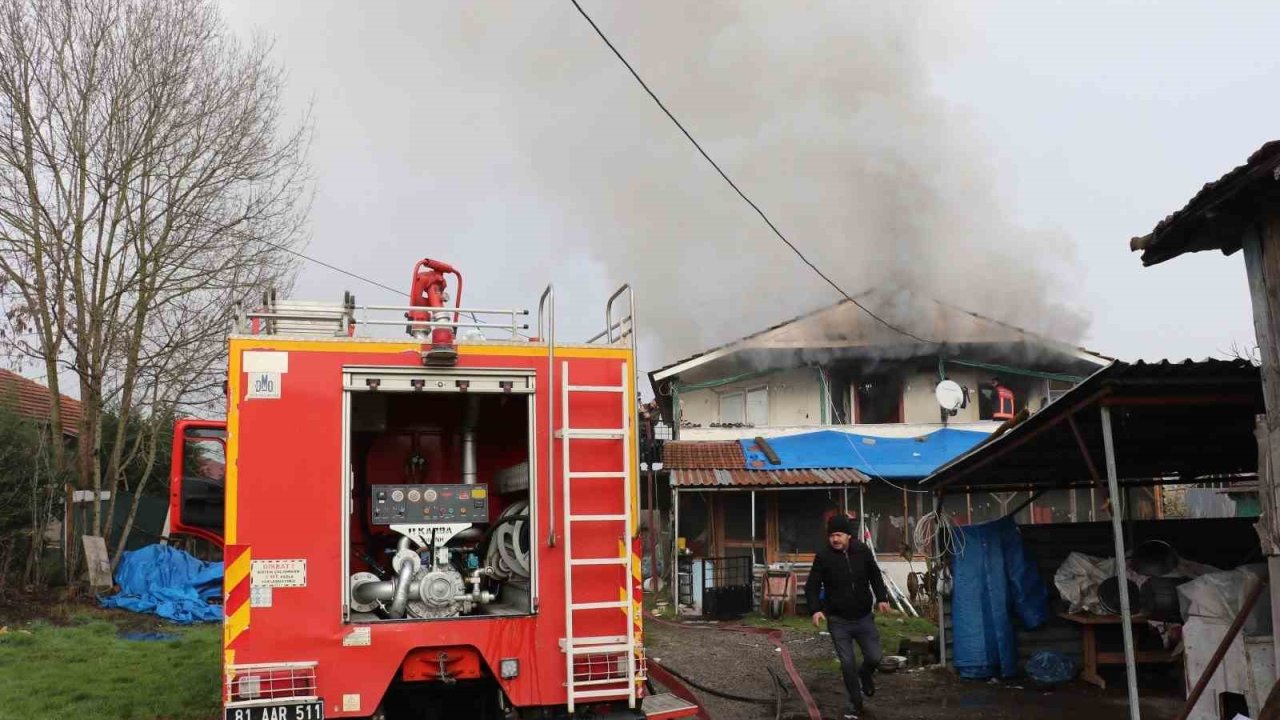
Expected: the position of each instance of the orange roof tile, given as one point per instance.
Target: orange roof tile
(707, 455)
(30, 399)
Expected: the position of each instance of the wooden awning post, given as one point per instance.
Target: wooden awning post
(1268, 531)
(1122, 566)
(1261, 247)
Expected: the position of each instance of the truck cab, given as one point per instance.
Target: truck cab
(198, 480)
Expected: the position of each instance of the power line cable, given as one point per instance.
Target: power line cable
(361, 278)
(334, 268)
(739, 191)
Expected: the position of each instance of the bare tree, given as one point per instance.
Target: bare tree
(1248, 353)
(147, 186)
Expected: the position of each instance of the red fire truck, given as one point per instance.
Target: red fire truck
(424, 526)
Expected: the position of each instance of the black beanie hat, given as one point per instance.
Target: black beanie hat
(840, 523)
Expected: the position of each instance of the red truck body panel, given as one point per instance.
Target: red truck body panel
(284, 502)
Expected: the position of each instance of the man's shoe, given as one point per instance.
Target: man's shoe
(868, 684)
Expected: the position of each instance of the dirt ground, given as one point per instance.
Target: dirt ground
(56, 609)
(738, 663)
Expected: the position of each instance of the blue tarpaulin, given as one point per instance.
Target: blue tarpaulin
(995, 580)
(914, 457)
(163, 581)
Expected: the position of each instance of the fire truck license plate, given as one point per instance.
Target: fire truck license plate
(310, 710)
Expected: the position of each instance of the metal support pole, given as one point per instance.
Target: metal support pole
(653, 515)
(937, 592)
(753, 531)
(1122, 566)
(675, 547)
(862, 517)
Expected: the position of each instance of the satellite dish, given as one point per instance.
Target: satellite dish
(950, 395)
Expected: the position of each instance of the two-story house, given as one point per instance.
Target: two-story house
(836, 411)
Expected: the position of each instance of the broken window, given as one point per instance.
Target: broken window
(879, 400)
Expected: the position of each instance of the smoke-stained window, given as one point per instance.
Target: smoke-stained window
(732, 409)
(758, 406)
(750, 407)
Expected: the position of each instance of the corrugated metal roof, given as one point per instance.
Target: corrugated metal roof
(706, 455)
(707, 477)
(1187, 420)
(1202, 224)
(30, 399)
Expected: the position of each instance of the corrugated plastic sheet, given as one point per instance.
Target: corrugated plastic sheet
(877, 456)
(707, 477)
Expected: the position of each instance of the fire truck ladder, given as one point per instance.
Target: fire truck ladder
(599, 667)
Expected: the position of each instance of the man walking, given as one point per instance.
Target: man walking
(843, 584)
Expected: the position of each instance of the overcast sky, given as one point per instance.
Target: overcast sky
(986, 154)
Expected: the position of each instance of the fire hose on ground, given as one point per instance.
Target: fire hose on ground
(728, 695)
(775, 636)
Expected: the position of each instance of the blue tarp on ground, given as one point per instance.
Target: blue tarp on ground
(877, 456)
(995, 580)
(160, 580)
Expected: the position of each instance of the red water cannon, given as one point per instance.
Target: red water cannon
(428, 291)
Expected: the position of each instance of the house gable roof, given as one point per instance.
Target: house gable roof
(31, 400)
(845, 325)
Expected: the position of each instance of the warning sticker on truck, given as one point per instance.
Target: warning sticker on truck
(279, 573)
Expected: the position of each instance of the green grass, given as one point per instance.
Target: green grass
(86, 671)
(666, 612)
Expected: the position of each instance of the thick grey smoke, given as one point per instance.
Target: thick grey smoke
(821, 111)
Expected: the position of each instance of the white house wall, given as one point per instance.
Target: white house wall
(920, 404)
(794, 399)
(885, 431)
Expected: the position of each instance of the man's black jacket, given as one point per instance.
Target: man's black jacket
(848, 580)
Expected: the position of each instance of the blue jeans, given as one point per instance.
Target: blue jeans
(843, 635)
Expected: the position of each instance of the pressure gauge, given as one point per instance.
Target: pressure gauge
(397, 495)
(429, 496)
(414, 495)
